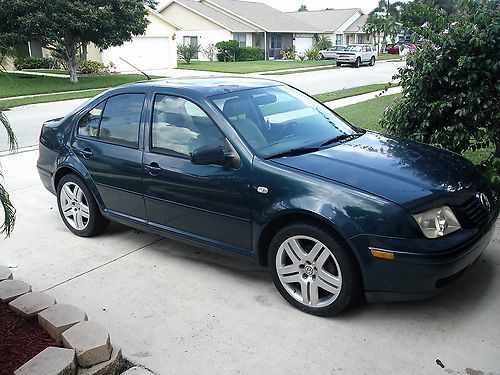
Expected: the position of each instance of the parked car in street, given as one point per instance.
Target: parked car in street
(395, 49)
(259, 169)
(357, 54)
(331, 53)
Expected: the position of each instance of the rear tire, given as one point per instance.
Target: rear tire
(357, 63)
(372, 61)
(313, 270)
(339, 64)
(78, 207)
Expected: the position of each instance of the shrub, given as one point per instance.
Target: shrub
(187, 51)
(288, 53)
(93, 67)
(323, 42)
(312, 53)
(209, 51)
(301, 57)
(34, 63)
(249, 54)
(227, 50)
(450, 87)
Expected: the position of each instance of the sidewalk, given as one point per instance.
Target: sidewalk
(362, 98)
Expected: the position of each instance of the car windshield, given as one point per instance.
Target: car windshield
(279, 120)
(353, 48)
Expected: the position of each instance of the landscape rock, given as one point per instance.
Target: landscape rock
(110, 367)
(51, 361)
(90, 341)
(137, 371)
(11, 289)
(5, 273)
(30, 304)
(58, 318)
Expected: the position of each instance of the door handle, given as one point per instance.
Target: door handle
(153, 168)
(86, 153)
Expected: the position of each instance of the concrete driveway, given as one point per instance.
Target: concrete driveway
(178, 309)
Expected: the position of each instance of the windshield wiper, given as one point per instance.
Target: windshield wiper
(293, 152)
(342, 137)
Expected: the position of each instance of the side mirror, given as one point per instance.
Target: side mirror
(218, 155)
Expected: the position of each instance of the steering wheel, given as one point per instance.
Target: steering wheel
(288, 130)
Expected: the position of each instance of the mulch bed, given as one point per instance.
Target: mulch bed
(20, 340)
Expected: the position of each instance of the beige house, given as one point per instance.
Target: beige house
(155, 49)
(205, 22)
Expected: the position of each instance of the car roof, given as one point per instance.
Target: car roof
(205, 86)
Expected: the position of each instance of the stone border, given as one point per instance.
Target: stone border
(87, 345)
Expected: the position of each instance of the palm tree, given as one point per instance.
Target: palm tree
(391, 28)
(9, 211)
(375, 26)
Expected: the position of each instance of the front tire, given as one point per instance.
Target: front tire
(78, 208)
(313, 270)
(357, 63)
(321, 56)
(339, 64)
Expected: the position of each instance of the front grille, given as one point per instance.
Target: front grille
(474, 213)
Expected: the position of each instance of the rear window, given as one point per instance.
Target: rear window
(115, 120)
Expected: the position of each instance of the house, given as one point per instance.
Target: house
(205, 22)
(155, 49)
(342, 26)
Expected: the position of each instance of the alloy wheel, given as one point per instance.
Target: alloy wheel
(308, 271)
(74, 206)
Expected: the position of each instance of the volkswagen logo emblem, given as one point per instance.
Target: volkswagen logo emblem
(484, 201)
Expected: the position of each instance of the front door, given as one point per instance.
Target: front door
(211, 203)
(107, 143)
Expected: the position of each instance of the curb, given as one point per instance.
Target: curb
(87, 347)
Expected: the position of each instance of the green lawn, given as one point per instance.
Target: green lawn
(12, 84)
(334, 95)
(387, 56)
(367, 115)
(9, 103)
(251, 66)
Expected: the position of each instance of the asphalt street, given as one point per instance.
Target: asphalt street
(27, 120)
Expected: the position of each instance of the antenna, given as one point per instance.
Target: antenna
(136, 68)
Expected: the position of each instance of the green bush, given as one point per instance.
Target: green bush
(322, 42)
(249, 54)
(93, 67)
(450, 87)
(34, 63)
(227, 50)
(187, 51)
(313, 54)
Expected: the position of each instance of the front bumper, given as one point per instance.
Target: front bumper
(415, 275)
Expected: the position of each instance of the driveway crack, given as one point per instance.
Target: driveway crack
(102, 265)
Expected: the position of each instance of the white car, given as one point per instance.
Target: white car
(357, 54)
(331, 53)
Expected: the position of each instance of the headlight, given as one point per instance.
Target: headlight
(437, 222)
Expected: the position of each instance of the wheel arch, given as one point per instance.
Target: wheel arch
(280, 221)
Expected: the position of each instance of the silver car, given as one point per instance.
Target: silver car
(331, 53)
(357, 54)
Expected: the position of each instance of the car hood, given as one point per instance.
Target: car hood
(402, 171)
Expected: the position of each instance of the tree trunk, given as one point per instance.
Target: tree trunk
(72, 64)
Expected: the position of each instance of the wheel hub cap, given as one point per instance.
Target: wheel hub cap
(74, 206)
(308, 271)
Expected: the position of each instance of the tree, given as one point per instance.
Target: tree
(322, 42)
(9, 212)
(187, 51)
(303, 8)
(67, 27)
(375, 27)
(450, 87)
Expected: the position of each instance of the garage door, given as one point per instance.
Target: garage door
(302, 44)
(144, 53)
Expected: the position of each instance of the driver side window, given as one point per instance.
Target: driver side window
(180, 126)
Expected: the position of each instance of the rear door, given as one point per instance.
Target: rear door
(107, 143)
